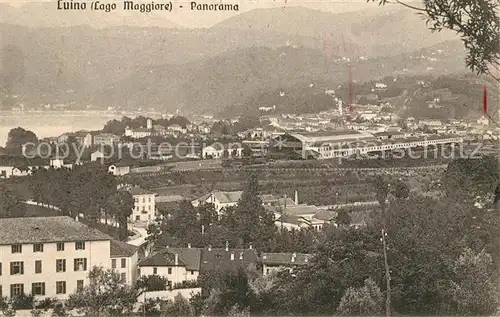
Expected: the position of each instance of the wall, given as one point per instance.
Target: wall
(97, 253)
(130, 268)
(179, 273)
(185, 292)
(144, 202)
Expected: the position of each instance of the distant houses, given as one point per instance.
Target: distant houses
(11, 166)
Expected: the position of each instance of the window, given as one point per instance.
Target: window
(123, 277)
(17, 248)
(16, 289)
(192, 272)
(79, 285)
(137, 217)
(60, 246)
(61, 287)
(169, 270)
(113, 263)
(80, 245)
(155, 270)
(80, 264)
(38, 289)
(0, 270)
(1, 294)
(61, 265)
(16, 268)
(38, 266)
(124, 263)
(267, 271)
(38, 247)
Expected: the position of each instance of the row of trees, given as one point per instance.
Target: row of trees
(88, 189)
(118, 126)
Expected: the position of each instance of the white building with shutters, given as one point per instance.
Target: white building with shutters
(52, 256)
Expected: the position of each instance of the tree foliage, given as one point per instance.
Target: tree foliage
(105, 293)
(10, 204)
(19, 137)
(477, 24)
(364, 301)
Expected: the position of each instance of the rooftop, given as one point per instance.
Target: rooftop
(285, 258)
(161, 258)
(232, 259)
(46, 229)
(122, 249)
(139, 191)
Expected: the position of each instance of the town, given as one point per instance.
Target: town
(243, 196)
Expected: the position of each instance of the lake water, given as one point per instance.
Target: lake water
(53, 123)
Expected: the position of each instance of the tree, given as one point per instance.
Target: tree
(481, 40)
(343, 218)
(363, 301)
(19, 137)
(120, 205)
(468, 180)
(227, 290)
(179, 308)
(105, 294)
(253, 223)
(473, 288)
(10, 204)
(151, 283)
(427, 235)
(400, 190)
(246, 152)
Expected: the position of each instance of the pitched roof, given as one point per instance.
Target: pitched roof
(46, 229)
(301, 210)
(138, 191)
(294, 220)
(169, 198)
(220, 259)
(227, 197)
(325, 215)
(161, 258)
(189, 256)
(285, 258)
(122, 249)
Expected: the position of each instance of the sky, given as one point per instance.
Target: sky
(191, 19)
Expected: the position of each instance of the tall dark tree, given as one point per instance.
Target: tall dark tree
(255, 224)
(120, 206)
(10, 204)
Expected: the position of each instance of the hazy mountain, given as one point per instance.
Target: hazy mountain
(82, 59)
(46, 14)
(378, 31)
(236, 79)
(209, 68)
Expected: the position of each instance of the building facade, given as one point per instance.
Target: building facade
(144, 205)
(48, 256)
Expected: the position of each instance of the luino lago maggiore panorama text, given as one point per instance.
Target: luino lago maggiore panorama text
(141, 7)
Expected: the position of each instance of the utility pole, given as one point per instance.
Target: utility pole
(387, 277)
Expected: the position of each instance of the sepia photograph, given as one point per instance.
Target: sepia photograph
(249, 158)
